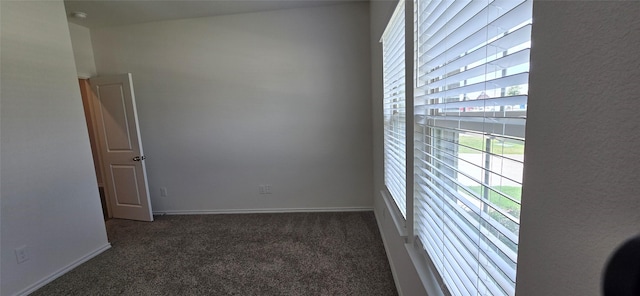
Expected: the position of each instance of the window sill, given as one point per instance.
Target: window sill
(396, 216)
(429, 277)
(427, 272)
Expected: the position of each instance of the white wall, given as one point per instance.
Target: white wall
(230, 102)
(86, 68)
(82, 50)
(580, 198)
(581, 180)
(49, 199)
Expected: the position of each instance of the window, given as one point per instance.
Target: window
(393, 47)
(472, 63)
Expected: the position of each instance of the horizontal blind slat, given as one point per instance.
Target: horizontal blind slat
(501, 82)
(490, 102)
(519, 36)
(513, 127)
(476, 210)
(468, 203)
(503, 62)
(476, 31)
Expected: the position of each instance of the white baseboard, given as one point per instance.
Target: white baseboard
(254, 211)
(39, 284)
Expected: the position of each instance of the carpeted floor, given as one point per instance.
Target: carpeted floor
(250, 254)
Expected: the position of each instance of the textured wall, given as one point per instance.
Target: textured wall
(230, 102)
(581, 180)
(50, 199)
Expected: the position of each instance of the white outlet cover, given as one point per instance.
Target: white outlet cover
(21, 254)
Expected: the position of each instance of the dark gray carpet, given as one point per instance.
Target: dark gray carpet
(250, 254)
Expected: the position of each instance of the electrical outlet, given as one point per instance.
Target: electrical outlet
(21, 254)
(264, 189)
(163, 191)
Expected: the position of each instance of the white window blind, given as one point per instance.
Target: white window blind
(393, 46)
(470, 112)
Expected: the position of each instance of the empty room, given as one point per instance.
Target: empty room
(317, 147)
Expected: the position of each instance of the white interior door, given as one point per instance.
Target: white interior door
(121, 155)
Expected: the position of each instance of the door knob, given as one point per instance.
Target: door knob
(138, 158)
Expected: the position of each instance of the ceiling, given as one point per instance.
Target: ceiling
(102, 13)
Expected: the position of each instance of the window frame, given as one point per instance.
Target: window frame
(417, 250)
(396, 190)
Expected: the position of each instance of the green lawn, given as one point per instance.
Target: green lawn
(497, 146)
(514, 192)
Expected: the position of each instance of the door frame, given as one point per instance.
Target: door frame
(89, 98)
